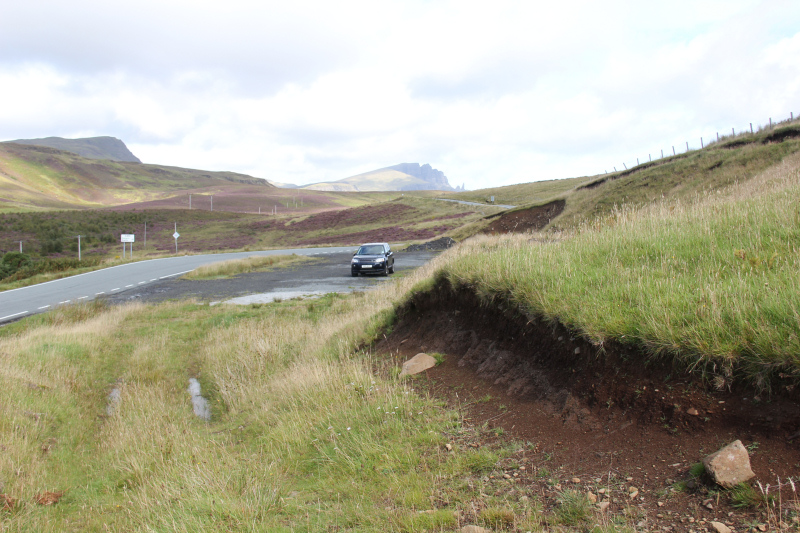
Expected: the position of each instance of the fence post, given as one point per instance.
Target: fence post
(751, 127)
(770, 122)
(615, 169)
(650, 158)
(687, 146)
(673, 149)
(717, 136)
(791, 115)
(637, 161)
(624, 165)
(662, 153)
(701, 143)
(733, 132)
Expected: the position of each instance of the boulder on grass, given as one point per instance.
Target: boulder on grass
(417, 364)
(729, 466)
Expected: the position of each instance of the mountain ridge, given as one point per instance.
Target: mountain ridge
(103, 147)
(400, 177)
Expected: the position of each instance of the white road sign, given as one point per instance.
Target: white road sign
(127, 237)
(176, 235)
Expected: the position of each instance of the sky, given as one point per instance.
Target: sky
(490, 93)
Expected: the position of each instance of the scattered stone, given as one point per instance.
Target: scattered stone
(591, 496)
(634, 494)
(762, 527)
(449, 447)
(709, 506)
(730, 465)
(628, 479)
(603, 505)
(474, 529)
(661, 504)
(442, 243)
(576, 480)
(577, 351)
(418, 363)
(719, 527)
(632, 489)
(602, 491)
(48, 498)
(692, 411)
(506, 476)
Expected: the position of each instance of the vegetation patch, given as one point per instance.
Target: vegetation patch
(234, 267)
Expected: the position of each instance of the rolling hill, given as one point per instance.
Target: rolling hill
(109, 148)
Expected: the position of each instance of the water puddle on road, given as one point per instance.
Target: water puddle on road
(200, 405)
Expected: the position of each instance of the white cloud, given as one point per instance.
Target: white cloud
(310, 91)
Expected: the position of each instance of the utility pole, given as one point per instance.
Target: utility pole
(190, 201)
(79, 247)
(212, 202)
(145, 234)
(20, 246)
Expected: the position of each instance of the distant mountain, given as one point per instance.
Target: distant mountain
(402, 177)
(41, 176)
(108, 148)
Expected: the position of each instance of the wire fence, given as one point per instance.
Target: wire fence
(706, 142)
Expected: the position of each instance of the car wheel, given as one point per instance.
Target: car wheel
(391, 269)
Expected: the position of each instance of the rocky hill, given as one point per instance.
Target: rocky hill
(109, 148)
(402, 177)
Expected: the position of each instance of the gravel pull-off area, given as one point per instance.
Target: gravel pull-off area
(324, 274)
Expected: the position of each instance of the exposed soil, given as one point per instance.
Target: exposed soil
(532, 219)
(599, 416)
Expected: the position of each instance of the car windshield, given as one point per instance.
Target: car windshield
(373, 249)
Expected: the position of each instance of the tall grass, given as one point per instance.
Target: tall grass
(233, 267)
(712, 281)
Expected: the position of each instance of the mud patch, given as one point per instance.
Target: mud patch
(598, 414)
(531, 219)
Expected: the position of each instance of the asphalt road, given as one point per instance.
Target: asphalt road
(25, 301)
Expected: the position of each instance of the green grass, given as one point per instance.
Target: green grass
(233, 267)
(712, 283)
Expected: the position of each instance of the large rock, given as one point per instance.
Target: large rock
(417, 364)
(730, 465)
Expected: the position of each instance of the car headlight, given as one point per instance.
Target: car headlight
(355, 260)
(379, 260)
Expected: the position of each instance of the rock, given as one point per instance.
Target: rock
(418, 363)
(632, 489)
(449, 447)
(603, 505)
(576, 480)
(729, 466)
(577, 351)
(474, 529)
(719, 527)
(634, 494)
(592, 496)
(692, 411)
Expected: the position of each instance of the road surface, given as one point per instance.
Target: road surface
(18, 303)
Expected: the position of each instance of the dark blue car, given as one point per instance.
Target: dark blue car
(373, 258)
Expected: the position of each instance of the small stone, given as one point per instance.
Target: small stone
(632, 489)
(603, 505)
(557, 486)
(730, 465)
(661, 504)
(418, 363)
(762, 527)
(602, 491)
(628, 479)
(691, 519)
(449, 447)
(719, 527)
(506, 476)
(576, 480)
(591, 496)
(634, 494)
(659, 515)
(692, 411)
(709, 506)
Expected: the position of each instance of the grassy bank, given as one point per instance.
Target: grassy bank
(712, 281)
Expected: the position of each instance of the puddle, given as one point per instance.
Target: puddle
(200, 405)
(269, 297)
(114, 398)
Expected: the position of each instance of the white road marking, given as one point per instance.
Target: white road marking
(82, 297)
(12, 316)
(98, 293)
(64, 302)
(176, 274)
(153, 279)
(44, 307)
(112, 290)
(142, 282)
(126, 286)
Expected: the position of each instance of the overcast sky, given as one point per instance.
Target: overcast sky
(491, 93)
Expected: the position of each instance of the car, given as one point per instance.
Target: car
(372, 258)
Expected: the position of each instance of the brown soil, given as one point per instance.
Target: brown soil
(597, 415)
(532, 219)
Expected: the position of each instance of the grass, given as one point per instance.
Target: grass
(711, 282)
(233, 267)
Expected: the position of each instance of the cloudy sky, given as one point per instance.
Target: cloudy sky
(491, 93)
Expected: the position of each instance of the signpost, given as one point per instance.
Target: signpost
(127, 237)
(175, 236)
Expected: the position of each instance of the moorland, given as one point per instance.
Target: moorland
(593, 345)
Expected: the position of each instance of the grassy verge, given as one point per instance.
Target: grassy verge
(224, 269)
(713, 281)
